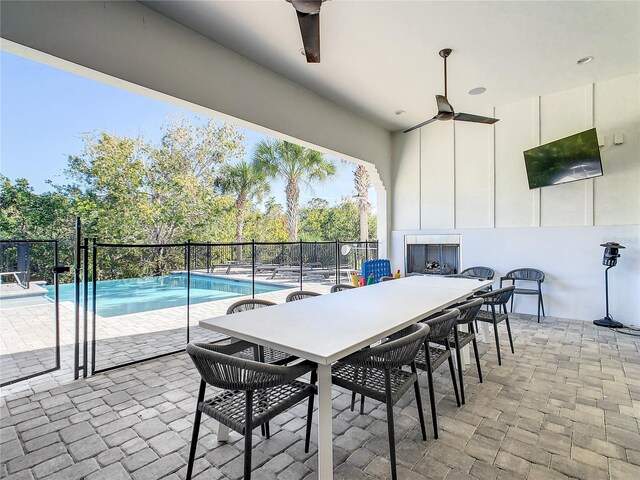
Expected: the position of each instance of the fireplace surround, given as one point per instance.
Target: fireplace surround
(432, 254)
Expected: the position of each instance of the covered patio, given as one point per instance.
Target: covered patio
(565, 404)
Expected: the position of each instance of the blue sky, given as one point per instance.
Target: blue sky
(44, 113)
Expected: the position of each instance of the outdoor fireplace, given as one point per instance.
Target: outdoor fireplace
(432, 254)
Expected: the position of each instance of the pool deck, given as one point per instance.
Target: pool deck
(28, 332)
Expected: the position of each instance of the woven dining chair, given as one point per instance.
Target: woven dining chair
(258, 352)
(265, 354)
(459, 339)
(377, 373)
(301, 295)
(429, 357)
(253, 393)
(497, 301)
(526, 275)
(485, 273)
(340, 287)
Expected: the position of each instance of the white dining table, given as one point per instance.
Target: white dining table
(329, 327)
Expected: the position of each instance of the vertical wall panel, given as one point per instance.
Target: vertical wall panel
(406, 181)
(563, 114)
(516, 131)
(473, 172)
(617, 192)
(437, 176)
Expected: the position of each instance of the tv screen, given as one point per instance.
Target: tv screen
(566, 160)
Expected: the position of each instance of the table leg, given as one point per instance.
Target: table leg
(222, 435)
(325, 435)
(485, 332)
(466, 358)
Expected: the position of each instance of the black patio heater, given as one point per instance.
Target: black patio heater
(609, 259)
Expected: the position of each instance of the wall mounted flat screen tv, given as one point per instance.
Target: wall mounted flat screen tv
(566, 160)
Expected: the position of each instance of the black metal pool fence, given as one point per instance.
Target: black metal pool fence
(298, 264)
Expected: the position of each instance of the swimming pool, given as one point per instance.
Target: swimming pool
(134, 295)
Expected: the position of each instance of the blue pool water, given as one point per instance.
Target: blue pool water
(133, 295)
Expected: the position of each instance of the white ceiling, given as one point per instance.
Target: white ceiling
(382, 56)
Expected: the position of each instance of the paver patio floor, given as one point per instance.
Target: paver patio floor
(566, 404)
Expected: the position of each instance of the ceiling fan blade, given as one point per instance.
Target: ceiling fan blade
(443, 104)
(467, 117)
(420, 125)
(310, 30)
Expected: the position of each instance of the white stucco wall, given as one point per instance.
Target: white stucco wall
(471, 179)
(130, 46)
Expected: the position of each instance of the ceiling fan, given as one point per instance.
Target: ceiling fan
(308, 12)
(445, 110)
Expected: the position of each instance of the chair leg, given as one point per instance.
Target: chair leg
(509, 333)
(390, 427)
(361, 404)
(353, 401)
(248, 432)
(432, 396)
(416, 387)
(196, 430)
(453, 376)
(541, 302)
(495, 333)
(313, 380)
(459, 362)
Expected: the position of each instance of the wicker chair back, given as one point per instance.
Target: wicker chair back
(498, 297)
(301, 295)
(479, 272)
(530, 274)
(469, 310)
(221, 370)
(340, 287)
(441, 326)
(251, 304)
(395, 353)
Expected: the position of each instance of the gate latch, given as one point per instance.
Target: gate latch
(61, 269)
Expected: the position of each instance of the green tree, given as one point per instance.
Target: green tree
(25, 215)
(294, 164)
(128, 191)
(247, 183)
(270, 226)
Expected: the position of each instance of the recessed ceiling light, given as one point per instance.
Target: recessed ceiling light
(477, 91)
(584, 60)
(399, 112)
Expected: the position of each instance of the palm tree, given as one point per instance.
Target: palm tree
(294, 164)
(362, 184)
(247, 182)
